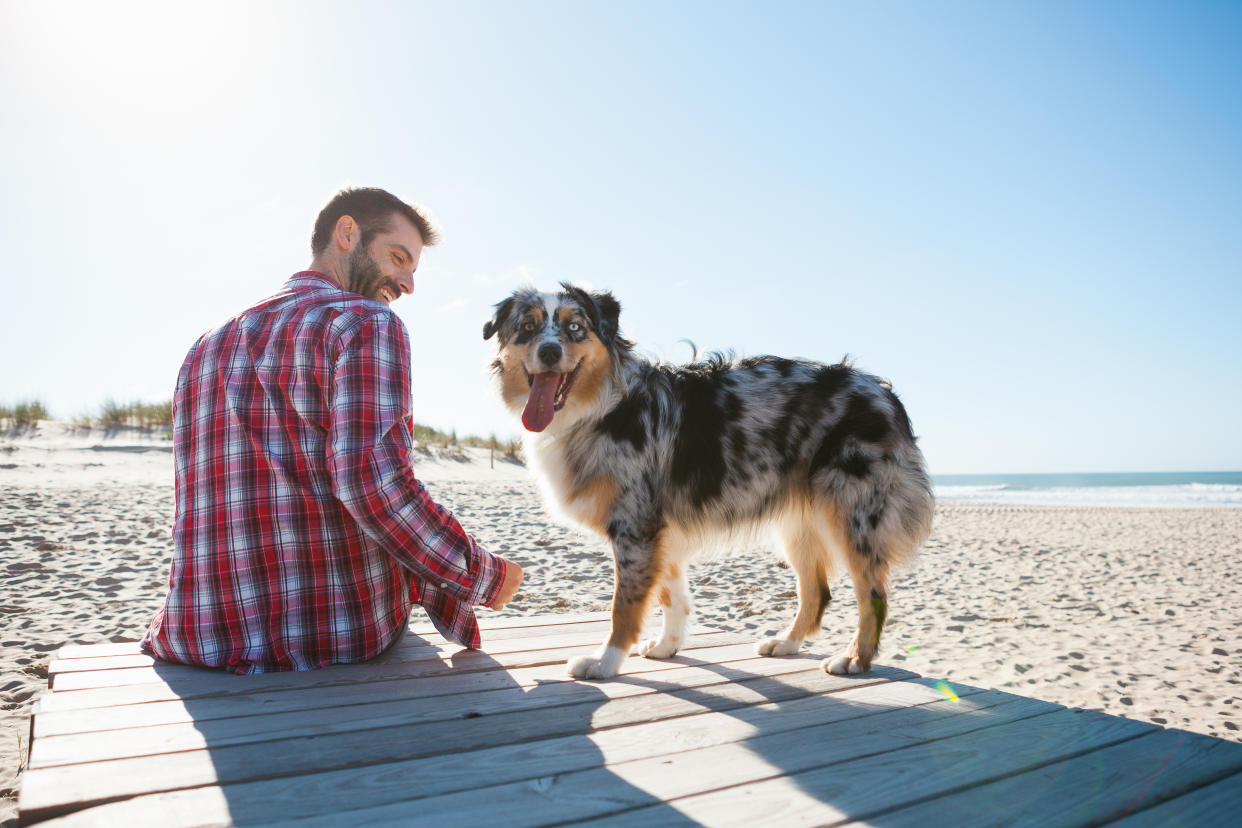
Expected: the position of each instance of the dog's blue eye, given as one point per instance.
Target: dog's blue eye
(574, 327)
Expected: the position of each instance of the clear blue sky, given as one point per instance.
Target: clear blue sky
(1027, 215)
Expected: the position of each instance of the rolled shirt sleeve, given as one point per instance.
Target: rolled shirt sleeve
(369, 448)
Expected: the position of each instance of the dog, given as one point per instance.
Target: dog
(662, 459)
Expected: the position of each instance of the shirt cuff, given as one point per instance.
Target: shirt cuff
(488, 577)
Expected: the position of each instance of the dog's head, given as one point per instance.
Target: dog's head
(556, 351)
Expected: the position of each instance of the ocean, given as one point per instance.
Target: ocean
(1153, 489)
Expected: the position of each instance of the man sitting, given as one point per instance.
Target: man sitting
(301, 535)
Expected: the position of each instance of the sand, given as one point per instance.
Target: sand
(1136, 612)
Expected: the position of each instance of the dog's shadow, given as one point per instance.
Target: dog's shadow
(477, 742)
(776, 749)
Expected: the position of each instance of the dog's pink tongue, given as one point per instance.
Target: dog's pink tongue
(539, 407)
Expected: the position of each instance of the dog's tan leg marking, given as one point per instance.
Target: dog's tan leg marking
(871, 589)
(808, 557)
(592, 503)
(674, 596)
(632, 594)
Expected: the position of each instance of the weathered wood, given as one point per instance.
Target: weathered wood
(435, 734)
(75, 657)
(195, 681)
(122, 712)
(491, 626)
(493, 623)
(44, 790)
(1096, 787)
(360, 677)
(621, 787)
(199, 734)
(400, 782)
(875, 784)
(1215, 804)
(411, 649)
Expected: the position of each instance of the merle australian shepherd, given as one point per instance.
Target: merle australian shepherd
(663, 460)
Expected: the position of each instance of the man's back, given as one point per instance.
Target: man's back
(301, 535)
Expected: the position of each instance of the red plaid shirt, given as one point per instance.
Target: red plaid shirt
(301, 535)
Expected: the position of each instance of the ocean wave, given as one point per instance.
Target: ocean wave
(962, 492)
(1189, 495)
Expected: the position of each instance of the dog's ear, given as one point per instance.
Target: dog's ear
(601, 308)
(493, 325)
(609, 315)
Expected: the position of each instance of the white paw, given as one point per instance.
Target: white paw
(842, 664)
(589, 667)
(777, 647)
(662, 648)
(603, 665)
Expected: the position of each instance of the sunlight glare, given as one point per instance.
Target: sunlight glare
(117, 62)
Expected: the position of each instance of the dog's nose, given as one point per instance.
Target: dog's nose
(549, 353)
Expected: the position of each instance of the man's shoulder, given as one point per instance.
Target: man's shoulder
(312, 303)
(344, 315)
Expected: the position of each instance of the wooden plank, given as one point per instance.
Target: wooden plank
(48, 723)
(202, 681)
(1215, 804)
(46, 791)
(411, 649)
(491, 623)
(143, 739)
(1101, 786)
(371, 786)
(543, 625)
(721, 646)
(880, 783)
(621, 787)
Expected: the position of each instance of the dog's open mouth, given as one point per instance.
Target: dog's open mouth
(548, 392)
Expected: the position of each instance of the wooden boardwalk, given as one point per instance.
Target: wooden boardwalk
(437, 735)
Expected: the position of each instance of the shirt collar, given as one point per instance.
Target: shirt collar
(311, 279)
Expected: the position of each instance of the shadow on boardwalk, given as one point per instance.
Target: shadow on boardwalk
(409, 739)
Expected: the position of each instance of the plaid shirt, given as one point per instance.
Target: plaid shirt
(301, 535)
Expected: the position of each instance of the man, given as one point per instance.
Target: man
(301, 535)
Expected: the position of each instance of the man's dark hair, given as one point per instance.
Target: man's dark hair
(373, 209)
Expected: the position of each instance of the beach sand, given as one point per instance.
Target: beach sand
(1135, 612)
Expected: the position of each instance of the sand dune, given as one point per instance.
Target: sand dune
(1131, 611)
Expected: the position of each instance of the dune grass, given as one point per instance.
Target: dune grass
(22, 414)
(114, 414)
(448, 440)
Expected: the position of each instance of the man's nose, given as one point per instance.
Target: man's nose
(549, 353)
(405, 283)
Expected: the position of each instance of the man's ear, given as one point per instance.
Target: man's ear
(493, 325)
(346, 233)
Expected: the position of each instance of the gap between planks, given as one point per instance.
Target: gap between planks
(575, 777)
(496, 626)
(45, 788)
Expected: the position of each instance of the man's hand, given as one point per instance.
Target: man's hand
(509, 588)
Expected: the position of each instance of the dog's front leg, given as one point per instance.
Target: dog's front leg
(674, 595)
(635, 551)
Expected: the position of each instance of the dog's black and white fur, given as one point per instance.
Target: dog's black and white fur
(662, 459)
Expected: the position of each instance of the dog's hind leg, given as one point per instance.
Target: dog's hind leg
(808, 558)
(636, 551)
(872, 596)
(868, 556)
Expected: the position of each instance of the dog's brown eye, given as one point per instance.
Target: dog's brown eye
(528, 326)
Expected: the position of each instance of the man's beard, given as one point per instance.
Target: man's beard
(364, 276)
